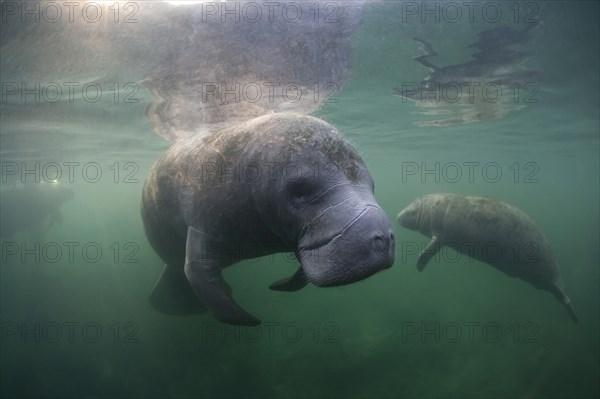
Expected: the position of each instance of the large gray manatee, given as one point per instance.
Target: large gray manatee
(490, 231)
(277, 183)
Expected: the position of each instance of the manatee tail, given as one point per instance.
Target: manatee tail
(569, 307)
(173, 294)
(558, 290)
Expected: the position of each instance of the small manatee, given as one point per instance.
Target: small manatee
(490, 231)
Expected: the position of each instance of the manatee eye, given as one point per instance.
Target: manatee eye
(301, 190)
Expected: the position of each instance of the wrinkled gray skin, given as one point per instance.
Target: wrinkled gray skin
(490, 231)
(200, 220)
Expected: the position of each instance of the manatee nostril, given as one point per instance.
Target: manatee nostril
(381, 241)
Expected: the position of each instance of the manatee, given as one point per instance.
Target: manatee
(490, 231)
(500, 56)
(33, 208)
(282, 182)
(499, 60)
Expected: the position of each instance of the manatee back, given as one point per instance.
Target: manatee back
(501, 235)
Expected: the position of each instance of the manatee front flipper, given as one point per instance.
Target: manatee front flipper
(429, 252)
(204, 275)
(174, 295)
(295, 282)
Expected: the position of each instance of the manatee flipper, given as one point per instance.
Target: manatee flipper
(429, 52)
(173, 294)
(557, 290)
(295, 282)
(204, 275)
(429, 252)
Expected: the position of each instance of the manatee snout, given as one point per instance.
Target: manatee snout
(363, 247)
(380, 235)
(408, 217)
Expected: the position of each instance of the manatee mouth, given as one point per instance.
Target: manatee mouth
(363, 247)
(327, 240)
